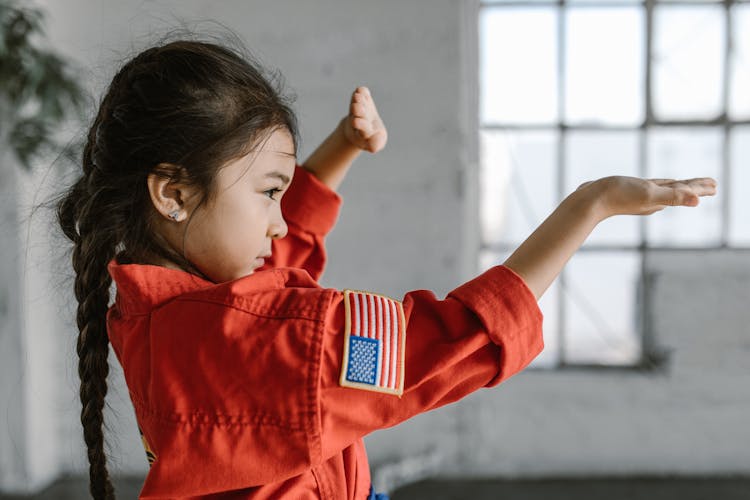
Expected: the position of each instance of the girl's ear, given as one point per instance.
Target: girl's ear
(170, 195)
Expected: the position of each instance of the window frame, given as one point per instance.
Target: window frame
(653, 357)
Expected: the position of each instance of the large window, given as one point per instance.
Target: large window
(574, 90)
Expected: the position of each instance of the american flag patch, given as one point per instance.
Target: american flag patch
(373, 343)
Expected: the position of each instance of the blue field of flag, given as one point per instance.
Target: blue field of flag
(363, 359)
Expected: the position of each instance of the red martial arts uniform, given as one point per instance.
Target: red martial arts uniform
(264, 386)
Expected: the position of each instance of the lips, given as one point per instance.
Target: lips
(260, 260)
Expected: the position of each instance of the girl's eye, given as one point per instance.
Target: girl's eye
(272, 191)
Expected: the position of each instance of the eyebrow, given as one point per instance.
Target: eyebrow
(281, 176)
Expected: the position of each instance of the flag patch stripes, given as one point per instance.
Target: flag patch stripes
(374, 342)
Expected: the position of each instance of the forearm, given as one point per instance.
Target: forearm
(543, 255)
(332, 159)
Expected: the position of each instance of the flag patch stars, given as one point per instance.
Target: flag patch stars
(363, 359)
(374, 343)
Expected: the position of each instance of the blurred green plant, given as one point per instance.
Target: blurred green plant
(36, 89)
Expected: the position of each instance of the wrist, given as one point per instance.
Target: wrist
(591, 200)
(331, 160)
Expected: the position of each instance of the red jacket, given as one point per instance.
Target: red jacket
(264, 386)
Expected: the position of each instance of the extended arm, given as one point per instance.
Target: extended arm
(542, 256)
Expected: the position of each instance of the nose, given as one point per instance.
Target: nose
(277, 228)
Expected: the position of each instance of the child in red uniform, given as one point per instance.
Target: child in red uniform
(249, 379)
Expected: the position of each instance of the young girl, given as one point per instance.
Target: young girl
(248, 379)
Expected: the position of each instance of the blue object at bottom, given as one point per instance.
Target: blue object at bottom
(377, 496)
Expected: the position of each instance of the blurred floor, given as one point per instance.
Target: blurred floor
(582, 489)
(69, 488)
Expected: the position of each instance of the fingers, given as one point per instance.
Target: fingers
(698, 182)
(362, 126)
(679, 195)
(363, 112)
(361, 105)
(358, 110)
(686, 192)
(672, 197)
(362, 95)
(703, 186)
(363, 91)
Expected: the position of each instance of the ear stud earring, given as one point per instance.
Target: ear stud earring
(174, 214)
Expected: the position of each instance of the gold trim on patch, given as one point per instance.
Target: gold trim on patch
(150, 456)
(399, 358)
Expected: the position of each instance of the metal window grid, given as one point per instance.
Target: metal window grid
(652, 358)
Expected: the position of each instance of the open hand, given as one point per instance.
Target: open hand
(363, 126)
(624, 195)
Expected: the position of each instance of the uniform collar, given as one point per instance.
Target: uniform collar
(142, 287)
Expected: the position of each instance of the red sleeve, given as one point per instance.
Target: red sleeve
(240, 384)
(481, 334)
(310, 209)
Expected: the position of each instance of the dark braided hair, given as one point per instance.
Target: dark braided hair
(184, 109)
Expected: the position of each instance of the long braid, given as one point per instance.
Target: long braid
(92, 291)
(83, 217)
(90, 218)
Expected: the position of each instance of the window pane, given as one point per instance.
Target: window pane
(584, 2)
(501, 2)
(517, 183)
(739, 96)
(600, 307)
(518, 65)
(604, 65)
(548, 304)
(739, 188)
(688, 62)
(591, 155)
(682, 153)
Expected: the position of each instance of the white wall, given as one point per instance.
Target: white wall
(31, 326)
(410, 208)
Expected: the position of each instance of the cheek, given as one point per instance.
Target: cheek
(258, 213)
(233, 224)
(254, 218)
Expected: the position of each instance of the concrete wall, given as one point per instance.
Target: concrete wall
(411, 209)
